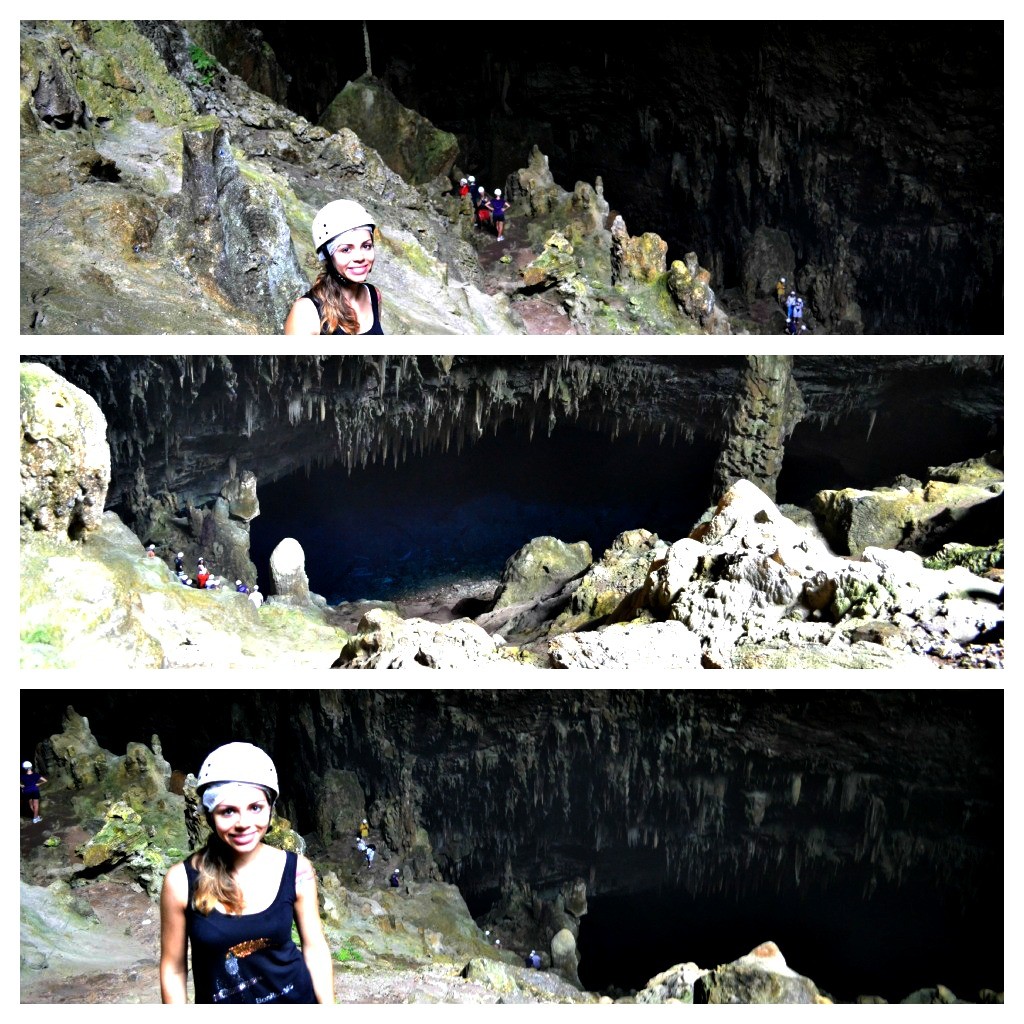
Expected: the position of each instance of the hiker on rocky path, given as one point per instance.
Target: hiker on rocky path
(30, 783)
(780, 291)
(340, 301)
(483, 208)
(498, 207)
(395, 880)
(236, 899)
(364, 829)
(255, 596)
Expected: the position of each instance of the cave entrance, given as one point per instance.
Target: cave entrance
(384, 532)
(890, 945)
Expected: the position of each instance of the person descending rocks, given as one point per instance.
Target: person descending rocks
(255, 596)
(371, 852)
(498, 208)
(780, 291)
(151, 551)
(240, 587)
(30, 783)
(533, 960)
(340, 301)
(483, 208)
(202, 575)
(236, 900)
(361, 845)
(798, 313)
(474, 198)
(364, 828)
(179, 562)
(463, 189)
(395, 880)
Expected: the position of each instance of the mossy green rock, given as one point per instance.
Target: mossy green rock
(65, 459)
(407, 142)
(540, 566)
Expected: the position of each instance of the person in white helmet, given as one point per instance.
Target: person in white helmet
(340, 301)
(30, 783)
(235, 900)
(498, 207)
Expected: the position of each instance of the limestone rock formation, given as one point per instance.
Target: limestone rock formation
(65, 459)
(911, 516)
(385, 640)
(540, 566)
(762, 976)
(288, 571)
(409, 144)
(672, 986)
(565, 957)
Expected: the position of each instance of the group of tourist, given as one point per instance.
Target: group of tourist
(204, 579)
(487, 210)
(793, 304)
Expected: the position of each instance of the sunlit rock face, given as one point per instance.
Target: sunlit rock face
(872, 152)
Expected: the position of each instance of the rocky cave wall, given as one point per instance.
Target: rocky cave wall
(864, 161)
(725, 794)
(180, 426)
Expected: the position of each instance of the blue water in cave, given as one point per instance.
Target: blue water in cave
(384, 532)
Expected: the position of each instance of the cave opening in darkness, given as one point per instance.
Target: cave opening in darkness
(387, 531)
(897, 941)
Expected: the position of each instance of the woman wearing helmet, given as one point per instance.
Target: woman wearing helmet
(340, 302)
(235, 900)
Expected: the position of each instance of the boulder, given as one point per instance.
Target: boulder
(407, 142)
(288, 572)
(565, 958)
(539, 568)
(65, 459)
(910, 517)
(672, 986)
(636, 259)
(386, 640)
(492, 974)
(689, 284)
(620, 575)
(632, 645)
(762, 976)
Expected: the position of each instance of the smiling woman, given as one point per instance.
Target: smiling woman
(235, 900)
(340, 302)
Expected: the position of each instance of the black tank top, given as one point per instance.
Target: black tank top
(375, 329)
(248, 958)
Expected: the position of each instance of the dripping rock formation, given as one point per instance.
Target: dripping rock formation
(860, 830)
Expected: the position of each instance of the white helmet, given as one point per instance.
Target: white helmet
(497, 191)
(337, 217)
(239, 762)
(480, 189)
(462, 181)
(26, 764)
(472, 180)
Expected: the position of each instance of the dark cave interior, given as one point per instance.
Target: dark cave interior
(851, 930)
(386, 531)
(704, 131)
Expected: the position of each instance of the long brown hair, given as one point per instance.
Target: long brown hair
(335, 309)
(215, 883)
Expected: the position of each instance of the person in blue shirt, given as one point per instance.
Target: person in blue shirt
(498, 206)
(30, 783)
